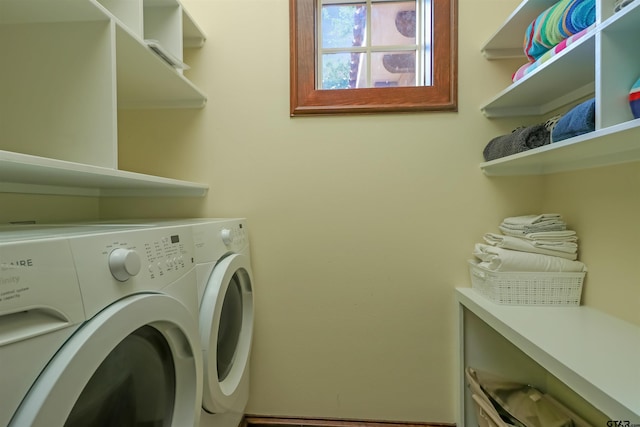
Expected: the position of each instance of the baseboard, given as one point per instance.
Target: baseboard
(261, 421)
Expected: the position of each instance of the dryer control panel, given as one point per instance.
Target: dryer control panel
(215, 238)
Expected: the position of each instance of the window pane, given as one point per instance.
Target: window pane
(390, 69)
(339, 70)
(393, 23)
(343, 25)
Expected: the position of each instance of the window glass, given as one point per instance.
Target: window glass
(377, 43)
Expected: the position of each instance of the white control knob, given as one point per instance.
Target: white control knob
(124, 263)
(227, 236)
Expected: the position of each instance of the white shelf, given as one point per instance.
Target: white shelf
(21, 173)
(147, 81)
(594, 354)
(192, 34)
(563, 79)
(622, 145)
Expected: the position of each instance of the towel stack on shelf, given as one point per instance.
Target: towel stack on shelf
(531, 243)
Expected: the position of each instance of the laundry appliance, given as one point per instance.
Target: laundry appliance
(225, 294)
(98, 327)
(225, 289)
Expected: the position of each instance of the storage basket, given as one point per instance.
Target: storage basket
(527, 288)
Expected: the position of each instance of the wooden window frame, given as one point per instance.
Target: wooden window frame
(306, 100)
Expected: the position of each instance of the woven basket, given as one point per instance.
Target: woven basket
(527, 288)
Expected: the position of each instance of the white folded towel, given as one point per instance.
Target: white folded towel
(563, 236)
(524, 230)
(524, 245)
(531, 219)
(525, 224)
(498, 259)
(567, 247)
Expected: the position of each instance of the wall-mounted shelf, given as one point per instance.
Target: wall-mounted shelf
(603, 64)
(614, 145)
(21, 173)
(594, 354)
(564, 79)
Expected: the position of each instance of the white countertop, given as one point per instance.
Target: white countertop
(595, 354)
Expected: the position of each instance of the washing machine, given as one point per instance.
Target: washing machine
(225, 297)
(98, 327)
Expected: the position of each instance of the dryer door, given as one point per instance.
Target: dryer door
(135, 363)
(226, 328)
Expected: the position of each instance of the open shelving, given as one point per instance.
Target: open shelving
(603, 64)
(70, 66)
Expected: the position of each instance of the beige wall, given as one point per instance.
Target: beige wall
(603, 205)
(360, 226)
(39, 208)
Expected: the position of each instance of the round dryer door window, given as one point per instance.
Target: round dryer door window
(230, 327)
(135, 363)
(226, 328)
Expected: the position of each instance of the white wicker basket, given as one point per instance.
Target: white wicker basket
(527, 288)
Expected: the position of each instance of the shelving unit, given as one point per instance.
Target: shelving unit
(69, 67)
(594, 354)
(603, 64)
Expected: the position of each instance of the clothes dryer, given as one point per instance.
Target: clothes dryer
(225, 291)
(98, 327)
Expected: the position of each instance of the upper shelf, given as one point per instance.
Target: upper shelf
(565, 78)
(507, 41)
(147, 81)
(21, 173)
(192, 34)
(591, 352)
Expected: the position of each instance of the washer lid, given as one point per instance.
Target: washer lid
(226, 329)
(112, 365)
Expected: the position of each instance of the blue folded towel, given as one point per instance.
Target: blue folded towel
(579, 120)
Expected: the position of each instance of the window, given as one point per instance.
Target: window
(359, 56)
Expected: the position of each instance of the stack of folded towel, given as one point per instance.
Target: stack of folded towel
(531, 243)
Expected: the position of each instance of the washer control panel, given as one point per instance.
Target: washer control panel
(116, 264)
(168, 254)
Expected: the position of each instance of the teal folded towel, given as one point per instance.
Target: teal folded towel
(579, 120)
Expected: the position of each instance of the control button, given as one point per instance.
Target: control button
(124, 263)
(227, 236)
